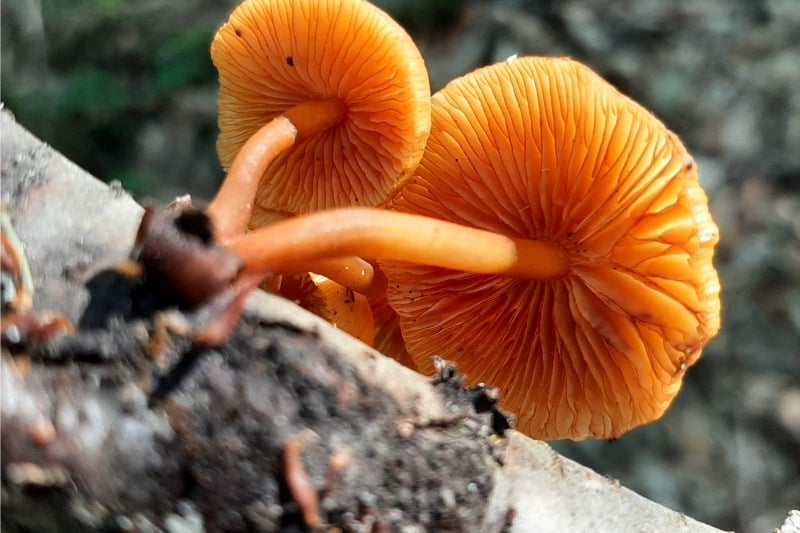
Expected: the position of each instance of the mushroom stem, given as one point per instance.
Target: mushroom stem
(232, 207)
(352, 272)
(377, 234)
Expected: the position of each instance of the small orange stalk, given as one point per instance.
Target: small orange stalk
(351, 272)
(232, 207)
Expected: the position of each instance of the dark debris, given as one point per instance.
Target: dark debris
(179, 257)
(481, 398)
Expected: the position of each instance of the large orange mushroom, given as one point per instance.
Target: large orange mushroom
(545, 149)
(327, 103)
(554, 242)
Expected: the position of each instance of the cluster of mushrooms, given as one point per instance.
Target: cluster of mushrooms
(527, 222)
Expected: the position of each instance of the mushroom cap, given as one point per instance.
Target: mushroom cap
(543, 148)
(275, 54)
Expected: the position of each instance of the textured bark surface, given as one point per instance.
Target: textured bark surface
(290, 425)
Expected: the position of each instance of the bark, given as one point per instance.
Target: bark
(290, 425)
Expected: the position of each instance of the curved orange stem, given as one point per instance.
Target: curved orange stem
(350, 271)
(377, 234)
(232, 207)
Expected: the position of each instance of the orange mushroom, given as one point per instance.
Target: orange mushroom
(545, 149)
(344, 94)
(554, 242)
(345, 97)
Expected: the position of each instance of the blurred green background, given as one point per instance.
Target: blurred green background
(127, 90)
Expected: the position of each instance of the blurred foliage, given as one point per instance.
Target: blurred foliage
(423, 16)
(85, 75)
(177, 62)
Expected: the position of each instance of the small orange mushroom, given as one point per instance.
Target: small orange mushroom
(348, 125)
(327, 103)
(554, 242)
(344, 308)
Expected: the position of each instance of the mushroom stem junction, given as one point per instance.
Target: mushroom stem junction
(313, 117)
(232, 207)
(377, 234)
